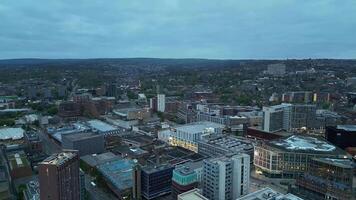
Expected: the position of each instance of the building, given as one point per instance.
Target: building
(33, 143)
(276, 69)
(32, 191)
(102, 127)
(289, 117)
(186, 177)
(85, 143)
(187, 135)
(289, 156)
(69, 109)
(19, 165)
(161, 102)
(11, 133)
(153, 104)
(60, 172)
(156, 181)
(133, 113)
(226, 178)
(192, 195)
(276, 118)
(327, 178)
(219, 145)
(268, 194)
(118, 175)
(342, 136)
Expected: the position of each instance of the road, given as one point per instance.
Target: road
(96, 193)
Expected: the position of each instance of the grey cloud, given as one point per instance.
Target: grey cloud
(178, 28)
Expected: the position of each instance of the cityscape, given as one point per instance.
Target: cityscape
(94, 123)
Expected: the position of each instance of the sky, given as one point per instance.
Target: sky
(221, 29)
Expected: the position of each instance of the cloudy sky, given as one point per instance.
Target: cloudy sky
(234, 29)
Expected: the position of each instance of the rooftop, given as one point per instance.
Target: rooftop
(199, 127)
(268, 194)
(80, 136)
(11, 133)
(344, 163)
(347, 127)
(98, 159)
(229, 142)
(118, 172)
(101, 126)
(304, 143)
(192, 195)
(59, 158)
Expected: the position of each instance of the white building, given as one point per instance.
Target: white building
(276, 118)
(187, 135)
(193, 194)
(269, 194)
(226, 178)
(161, 102)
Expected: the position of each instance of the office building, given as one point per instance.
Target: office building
(342, 136)
(32, 191)
(161, 102)
(33, 143)
(118, 176)
(219, 145)
(276, 118)
(59, 176)
(327, 178)
(289, 117)
(186, 177)
(226, 178)
(187, 135)
(269, 194)
(156, 180)
(289, 157)
(85, 143)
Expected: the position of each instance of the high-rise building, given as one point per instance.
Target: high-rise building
(289, 117)
(161, 102)
(59, 176)
(276, 118)
(226, 178)
(156, 181)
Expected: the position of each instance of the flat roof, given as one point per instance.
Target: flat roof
(344, 163)
(192, 195)
(59, 158)
(98, 159)
(229, 142)
(11, 133)
(118, 172)
(347, 127)
(80, 136)
(198, 127)
(268, 194)
(304, 143)
(101, 126)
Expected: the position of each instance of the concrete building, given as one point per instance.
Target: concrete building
(161, 102)
(289, 157)
(186, 177)
(289, 117)
(276, 118)
(187, 135)
(268, 194)
(327, 178)
(59, 177)
(85, 143)
(226, 178)
(192, 195)
(118, 175)
(102, 127)
(32, 191)
(220, 145)
(33, 143)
